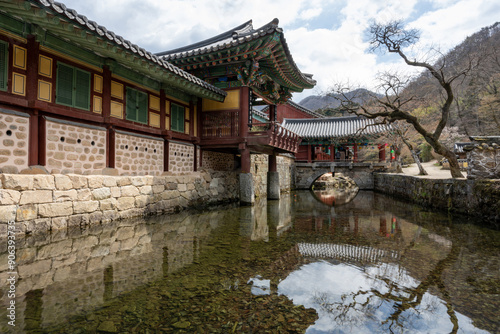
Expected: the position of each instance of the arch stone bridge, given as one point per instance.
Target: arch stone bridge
(360, 172)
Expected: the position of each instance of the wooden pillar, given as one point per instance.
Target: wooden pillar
(355, 158)
(42, 139)
(273, 164)
(106, 93)
(332, 152)
(245, 160)
(383, 227)
(34, 139)
(309, 154)
(110, 147)
(381, 152)
(32, 70)
(165, 155)
(244, 112)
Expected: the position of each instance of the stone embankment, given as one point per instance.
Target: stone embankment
(53, 202)
(479, 198)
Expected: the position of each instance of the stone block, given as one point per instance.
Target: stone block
(35, 268)
(146, 190)
(108, 204)
(128, 191)
(84, 194)
(65, 195)
(124, 181)
(17, 182)
(138, 181)
(125, 203)
(158, 188)
(35, 197)
(181, 187)
(62, 273)
(101, 193)
(141, 201)
(58, 223)
(41, 225)
(8, 213)
(63, 182)
(109, 181)
(116, 192)
(8, 196)
(95, 181)
(79, 181)
(85, 206)
(55, 209)
(44, 182)
(85, 242)
(26, 212)
(55, 249)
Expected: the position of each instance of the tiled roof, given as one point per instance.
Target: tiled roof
(334, 127)
(92, 27)
(301, 108)
(459, 147)
(238, 36)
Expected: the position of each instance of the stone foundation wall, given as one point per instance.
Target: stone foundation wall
(218, 161)
(480, 198)
(260, 167)
(483, 161)
(14, 133)
(180, 157)
(138, 155)
(73, 148)
(53, 202)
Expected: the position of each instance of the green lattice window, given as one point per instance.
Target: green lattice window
(73, 87)
(177, 113)
(137, 106)
(4, 64)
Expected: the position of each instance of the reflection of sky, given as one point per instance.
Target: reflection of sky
(320, 285)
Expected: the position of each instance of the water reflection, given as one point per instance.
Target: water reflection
(370, 265)
(335, 196)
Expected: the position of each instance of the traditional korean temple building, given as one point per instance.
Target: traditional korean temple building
(77, 98)
(338, 138)
(254, 67)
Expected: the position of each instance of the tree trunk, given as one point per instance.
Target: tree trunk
(421, 170)
(448, 154)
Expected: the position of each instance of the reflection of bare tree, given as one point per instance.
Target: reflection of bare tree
(354, 308)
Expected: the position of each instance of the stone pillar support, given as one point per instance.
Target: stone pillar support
(273, 179)
(247, 191)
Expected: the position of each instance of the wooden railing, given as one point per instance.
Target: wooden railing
(217, 124)
(277, 136)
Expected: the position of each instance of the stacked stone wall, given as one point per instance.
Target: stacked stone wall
(480, 198)
(138, 155)
(73, 148)
(259, 168)
(483, 161)
(14, 134)
(286, 169)
(80, 269)
(180, 157)
(218, 161)
(52, 202)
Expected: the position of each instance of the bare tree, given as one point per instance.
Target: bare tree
(396, 103)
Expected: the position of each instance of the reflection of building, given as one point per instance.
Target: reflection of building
(346, 252)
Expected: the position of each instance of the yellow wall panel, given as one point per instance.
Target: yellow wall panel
(195, 120)
(18, 84)
(167, 107)
(232, 101)
(44, 91)
(154, 119)
(117, 109)
(117, 90)
(97, 104)
(45, 66)
(167, 123)
(19, 58)
(186, 127)
(97, 83)
(154, 102)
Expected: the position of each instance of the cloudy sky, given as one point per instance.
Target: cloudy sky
(326, 37)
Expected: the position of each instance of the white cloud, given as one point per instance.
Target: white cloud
(333, 52)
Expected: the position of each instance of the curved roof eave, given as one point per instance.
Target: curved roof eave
(91, 27)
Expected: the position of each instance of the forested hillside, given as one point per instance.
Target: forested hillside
(476, 106)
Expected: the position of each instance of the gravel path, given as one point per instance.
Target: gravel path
(432, 168)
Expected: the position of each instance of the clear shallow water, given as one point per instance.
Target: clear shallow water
(365, 265)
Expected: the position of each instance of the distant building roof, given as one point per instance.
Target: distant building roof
(459, 147)
(334, 127)
(301, 108)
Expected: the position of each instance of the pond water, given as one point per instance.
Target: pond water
(312, 262)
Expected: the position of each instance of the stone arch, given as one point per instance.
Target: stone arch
(306, 175)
